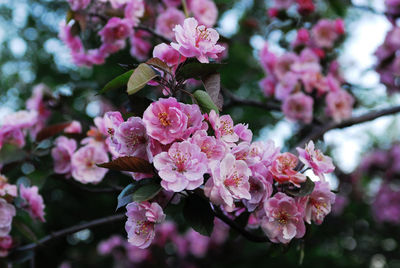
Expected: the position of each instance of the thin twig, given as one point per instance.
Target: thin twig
(151, 31)
(70, 230)
(319, 131)
(235, 100)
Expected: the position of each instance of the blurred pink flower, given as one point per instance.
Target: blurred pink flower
(167, 20)
(7, 212)
(62, 154)
(339, 105)
(33, 201)
(205, 11)
(298, 106)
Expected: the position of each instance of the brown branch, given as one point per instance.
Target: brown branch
(270, 106)
(154, 33)
(319, 131)
(70, 230)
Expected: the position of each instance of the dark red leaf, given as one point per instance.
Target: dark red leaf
(159, 64)
(128, 163)
(50, 131)
(212, 84)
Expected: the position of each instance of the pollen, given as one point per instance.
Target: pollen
(163, 117)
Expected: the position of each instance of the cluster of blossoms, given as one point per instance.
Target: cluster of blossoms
(384, 164)
(185, 245)
(392, 9)
(126, 22)
(304, 7)
(298, 79)
(191, 150)
(12, 198)
(388, 65)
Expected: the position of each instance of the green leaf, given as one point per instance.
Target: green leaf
(125, 197)
(198, 70)
(199, 215)
(146, 192)
(117, 82)
(305, 189)
(205, 102)
(10, 153)
(140, 77)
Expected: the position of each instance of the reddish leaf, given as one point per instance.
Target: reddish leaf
(212, 84)
(159, 64)
(128, 163)
(50, 131)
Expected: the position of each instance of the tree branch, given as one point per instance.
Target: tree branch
(318, 132)
(270, 106)
(70, 230)
(152, 32)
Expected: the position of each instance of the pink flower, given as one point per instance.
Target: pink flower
(283, 219)
(283, 4)
(140, 223)
(223, 127)
(182, 167)
(6, 243)
(260, 189)
(267, 86)
(195, 119)
(62, 154)
(117, 3)
(267, 59)
(78, 4)
(140, 46)
(319, 203)
(115, 30)
(84, 162)
(288, 83)
(165, 120)
(6, 188)
(195, 40)
(131, 138)
(298, 106)
(22, 119)
(167, 54)
(283, 171)
(302, 38)
(229, 180)
(205, 11)
(284, 64)
(33, 201)
(134, 10)
(106, 247)
(316, 160)
(167, 21)
(37, 103)
(11, 135)
(243, 131)
(213, 148)
(7, 212)
(339, 105)
(74, 128)
(198, 244)
(324, 33)
(305, 7)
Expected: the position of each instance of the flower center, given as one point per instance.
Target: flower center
(233, 181)
(143, 227)
(163, 117)
(180, 161)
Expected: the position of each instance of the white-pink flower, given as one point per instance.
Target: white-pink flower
(6, 188)
(140, 223)
(339, 105)
(283, 219)
(205, 11)
(324, 33)
(319, 203)
(167, 54)
(194, 40)
(229, 181)
(165, 120)
(33, 201)
(223, 127)
(213, 148)
(7, 212)
(134, 10)
(84, 162)
(74, 128)
(62, 154)
(298, 106)
(182, 167)
(316, 160)
(167, 20)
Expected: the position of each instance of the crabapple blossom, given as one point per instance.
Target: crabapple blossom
(325, 33)
(182, 167)
(282, 169)
(339, 105)
(229, 181)
(167, 21)
(283, 219)
(131, 138)
(165, 120)
(33, 201)
(84, 162)
(194, 40)
(134, 10)
(62, 154)
(205, 11)
(315, 159)
(386, 205)
(298, 106)
(74, 128)
(243, 131)
(319, 203)
(6, 188)
(223, 127)
(6, 243)
(7, 212)
(78, 4)
(116, 30)
(213, 148)
(140, 223)
(167, 54)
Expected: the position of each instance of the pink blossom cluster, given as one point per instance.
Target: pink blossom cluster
(186, 147)
(192, 40)
(304, 7)
(29, 200)
(14, 127)
(389, 60)
(299, 81)
(386, 204)
(392, 10)
(185, 245)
